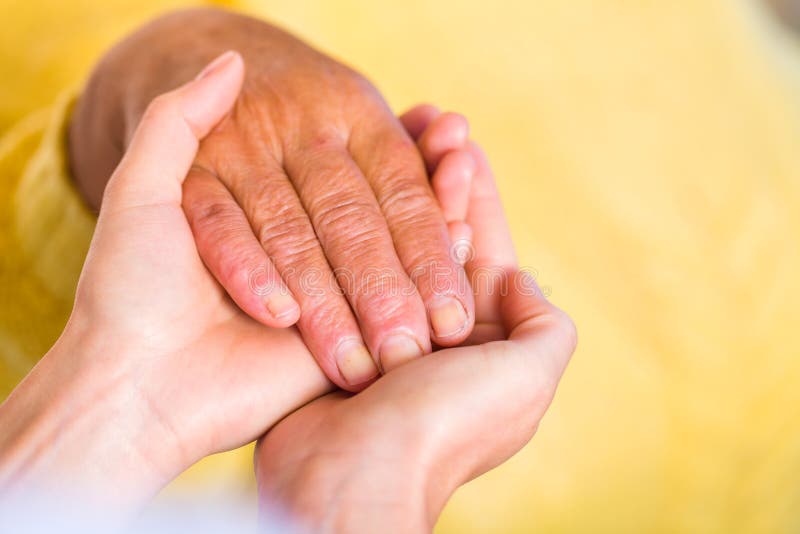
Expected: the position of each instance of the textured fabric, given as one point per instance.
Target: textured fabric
(649, 156)
(46, 232)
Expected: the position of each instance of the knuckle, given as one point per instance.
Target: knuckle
(285, 233)
(222, 240)
(325, 314)
(399, 160)
(408, 200)
(381, 308)
(404, 153)
(350, 225)
(434, 277)
(283, 227)
(233, 260)
(320, 146)
(211, 218)
(303, 254)
(335, 210)
(382, 293)
(289, 238)
(378, 282)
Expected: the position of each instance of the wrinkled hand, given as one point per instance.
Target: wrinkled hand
(309, 200)
(313, 183)
(390, 456)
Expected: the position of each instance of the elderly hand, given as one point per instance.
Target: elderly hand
(309, 199)
(389, 457)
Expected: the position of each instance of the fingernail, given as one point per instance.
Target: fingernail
(355, 362)
(397, 350)
(216, 64)
(281, 304)
(448, 316)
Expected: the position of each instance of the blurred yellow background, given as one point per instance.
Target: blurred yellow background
(648, 152)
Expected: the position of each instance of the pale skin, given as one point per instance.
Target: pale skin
(309, 174)
(126, 400)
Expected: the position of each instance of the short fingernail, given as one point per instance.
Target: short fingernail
(397, 350)
(448, 316)
(355, 363)
(281, 304)
(216, 64)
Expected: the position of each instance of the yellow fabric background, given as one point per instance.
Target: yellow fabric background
(649, 156)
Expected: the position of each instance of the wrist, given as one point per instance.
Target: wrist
(76, 429)
(330, 494)
(348, 488)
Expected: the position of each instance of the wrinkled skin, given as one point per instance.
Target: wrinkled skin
(309, 175)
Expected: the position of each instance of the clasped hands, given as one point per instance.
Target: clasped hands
(231, 190)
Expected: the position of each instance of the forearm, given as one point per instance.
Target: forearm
(160, 56)
(392, 484)
(81, 434)
(330, 494)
